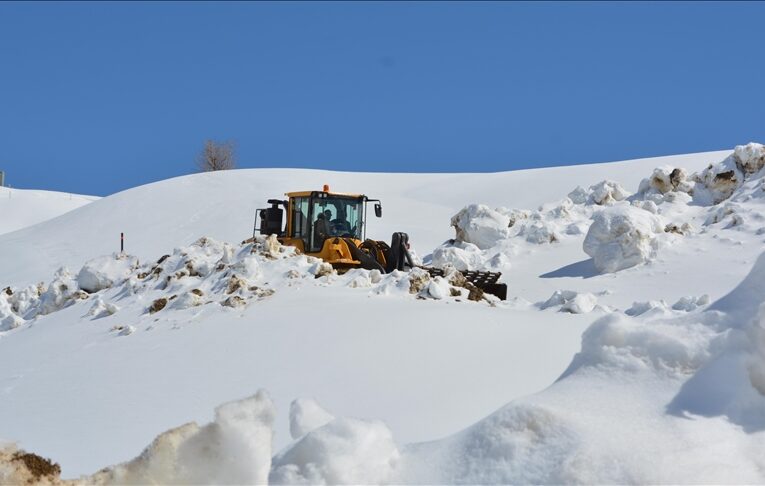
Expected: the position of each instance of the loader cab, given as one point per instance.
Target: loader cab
(315, 216)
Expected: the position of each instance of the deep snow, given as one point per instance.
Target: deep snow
(667, 384)
(20, 208)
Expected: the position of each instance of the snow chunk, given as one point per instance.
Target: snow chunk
(106, 271)
(188, 300)
(439, 288)
(100, 308)
(307, 415)
(750, 158)
(463, 256)
(607, 192)
(719, 181)
(344, 451)
(234, 449)
(570, 301)
(665, 180)
(8, 319)
(652, 307)
(480, 225)
(690, 303)
(621, 237)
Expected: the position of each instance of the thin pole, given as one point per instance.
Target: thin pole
(122, 242)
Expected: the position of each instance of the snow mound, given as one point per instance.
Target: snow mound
(570, 301)
(234, 449)
(344, 451)
(480, 225)
(106, 271)
(519, 444)
(307, 415)
(621, 237)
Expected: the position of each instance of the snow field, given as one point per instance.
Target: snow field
(657, 393)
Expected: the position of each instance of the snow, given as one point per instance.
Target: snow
(234, 449)
(21, 208)
(103, 272)
(570, 301)
(480, 225)
(621, 237)
(306, 415)
(600, 381)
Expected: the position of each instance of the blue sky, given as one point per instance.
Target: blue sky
(100, 97)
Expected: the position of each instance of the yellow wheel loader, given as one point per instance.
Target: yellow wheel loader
(332, 226)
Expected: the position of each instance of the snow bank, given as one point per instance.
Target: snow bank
(234, 449)
(621, 237)
(213, 272)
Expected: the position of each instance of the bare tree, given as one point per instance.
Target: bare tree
(217, 156)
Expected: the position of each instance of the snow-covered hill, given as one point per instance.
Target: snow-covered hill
(20, 208)
(665, 384)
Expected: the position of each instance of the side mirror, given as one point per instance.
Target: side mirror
(378, 210)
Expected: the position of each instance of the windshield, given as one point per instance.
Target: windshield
(336, 216)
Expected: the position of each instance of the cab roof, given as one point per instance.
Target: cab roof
(328, 193)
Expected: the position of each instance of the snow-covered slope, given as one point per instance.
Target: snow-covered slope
(160, 216)
(644, 260)
(20, 208)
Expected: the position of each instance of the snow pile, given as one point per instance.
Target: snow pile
(488, 239)
(234, 449)
(570, 301)
(621, 237)
(651, 308)
(212, 272)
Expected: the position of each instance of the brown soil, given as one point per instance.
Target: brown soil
(157, 305)
(726, 176)
(39, 467)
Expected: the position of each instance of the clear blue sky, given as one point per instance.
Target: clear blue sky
(99, 97)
